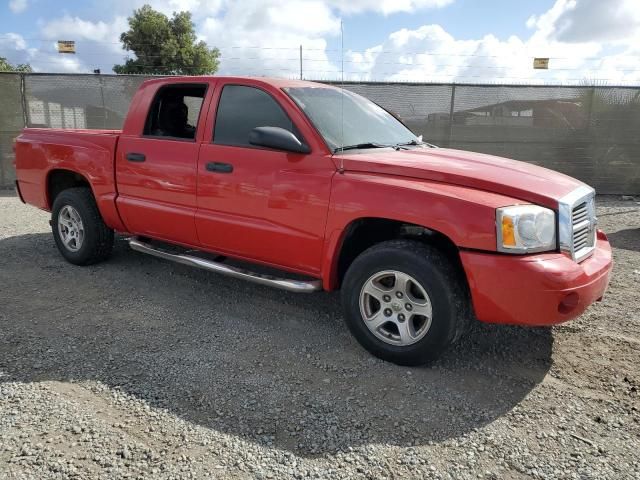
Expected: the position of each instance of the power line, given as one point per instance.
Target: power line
(395, 75)
(458, 74)
(370, 51)
(408, 79)
(358, 62)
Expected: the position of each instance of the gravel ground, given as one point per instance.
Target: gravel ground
(140, 368)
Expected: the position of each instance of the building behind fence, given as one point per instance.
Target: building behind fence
(591, 133)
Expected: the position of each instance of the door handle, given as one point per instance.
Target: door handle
(219, 167)
(136, 157)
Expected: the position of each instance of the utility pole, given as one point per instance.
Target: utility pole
(300, 62)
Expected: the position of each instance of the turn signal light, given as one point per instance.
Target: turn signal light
(508, 235)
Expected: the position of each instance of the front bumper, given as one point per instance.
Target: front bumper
(536, 290)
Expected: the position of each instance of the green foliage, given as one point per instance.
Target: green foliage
(165, 46)
(5, 66)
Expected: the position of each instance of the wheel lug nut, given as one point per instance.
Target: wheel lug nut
(408, 306)
(386, 298)
(387, 312)
(401, 317)
(399, 294)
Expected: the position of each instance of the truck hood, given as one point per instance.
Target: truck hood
(512, 178)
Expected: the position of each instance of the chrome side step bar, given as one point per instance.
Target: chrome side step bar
(300, 286)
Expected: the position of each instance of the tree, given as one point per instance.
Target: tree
(5, 66)
(165, 46)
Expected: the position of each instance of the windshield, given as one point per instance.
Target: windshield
(346, 119)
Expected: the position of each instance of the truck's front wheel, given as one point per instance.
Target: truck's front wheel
(78, 229)
(404, 302)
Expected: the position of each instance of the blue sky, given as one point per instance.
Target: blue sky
(466, 19)
(500, 17)
(403, 40)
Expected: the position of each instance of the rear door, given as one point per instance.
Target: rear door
(156, 167)
(258, 203)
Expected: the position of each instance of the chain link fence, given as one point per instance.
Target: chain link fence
(591, 133)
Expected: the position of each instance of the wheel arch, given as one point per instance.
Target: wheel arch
(60, 179)
(364, 232)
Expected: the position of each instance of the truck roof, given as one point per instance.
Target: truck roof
(276, 82)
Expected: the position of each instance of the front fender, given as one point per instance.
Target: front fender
(464, 215)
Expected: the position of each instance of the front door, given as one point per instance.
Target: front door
(156, 171)
(257, 203)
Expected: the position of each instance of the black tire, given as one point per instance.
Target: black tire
(442, 282)
(97, 242)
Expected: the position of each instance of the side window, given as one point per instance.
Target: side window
(175, 111)
(241, 109)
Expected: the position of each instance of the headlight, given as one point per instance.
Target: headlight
(525, 229)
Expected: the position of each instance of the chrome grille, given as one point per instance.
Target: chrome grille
(577, 223)
(583, 231)
(580, 214)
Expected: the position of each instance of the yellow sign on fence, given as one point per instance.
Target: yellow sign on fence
(541, 63)
(66, 46)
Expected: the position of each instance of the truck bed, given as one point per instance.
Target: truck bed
(40, 152)
(64, 131)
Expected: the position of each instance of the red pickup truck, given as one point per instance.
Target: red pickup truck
(330, 191)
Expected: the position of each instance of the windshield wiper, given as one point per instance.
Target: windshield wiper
(414, 143)
(361, 145)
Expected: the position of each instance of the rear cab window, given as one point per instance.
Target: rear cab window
(175, 112)
(243, 108)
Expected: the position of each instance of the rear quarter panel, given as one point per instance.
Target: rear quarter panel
(89, 153)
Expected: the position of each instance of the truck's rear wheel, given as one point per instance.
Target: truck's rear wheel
(404, 302)
(78, 229)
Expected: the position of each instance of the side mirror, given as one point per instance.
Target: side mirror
(278, 138)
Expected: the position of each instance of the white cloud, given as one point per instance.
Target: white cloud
(67, 26)
(586, 39)
(201, 8)
(429, 53)
(18, 6)
(43, 59)
(13, 41)
(575, 21)
(16, 48)
(237, 28)
(263, 37)
(97, 44)
(386, 7)
(53, 62)
(183, 5)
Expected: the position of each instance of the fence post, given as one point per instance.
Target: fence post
(23, 95)
(592, 93)
(591, 142)
(451, 110)
(104, 106)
